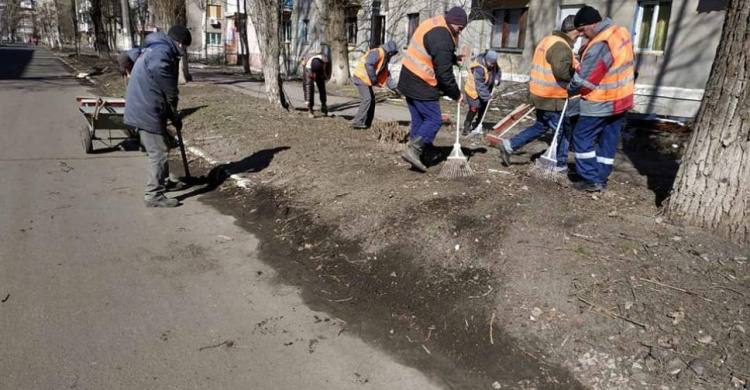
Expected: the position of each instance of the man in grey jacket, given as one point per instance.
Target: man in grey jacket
(150, 100)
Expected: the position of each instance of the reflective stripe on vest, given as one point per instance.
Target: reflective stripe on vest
(619, 82)
(360, 71)
(416, 58)
(542, 81)
(471, 88)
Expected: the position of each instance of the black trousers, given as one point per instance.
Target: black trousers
(308, 86)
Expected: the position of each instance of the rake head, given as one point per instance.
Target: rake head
(543, 169)
(456, 166)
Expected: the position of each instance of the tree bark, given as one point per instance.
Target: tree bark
(712, 189)
(244, 45)
(334, 18)
(266, 17)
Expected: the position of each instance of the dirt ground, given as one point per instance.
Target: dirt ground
(483, 277)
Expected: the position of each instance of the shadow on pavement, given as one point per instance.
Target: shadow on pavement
(15, 60)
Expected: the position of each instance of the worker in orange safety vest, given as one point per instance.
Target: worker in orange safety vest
(605, 80)
(553, 66)
(484, 75)
(372, 71)
(427, 75)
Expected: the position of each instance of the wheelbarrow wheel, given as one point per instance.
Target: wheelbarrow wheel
(86, 139)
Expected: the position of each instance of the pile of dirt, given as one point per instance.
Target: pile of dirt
(499, 277)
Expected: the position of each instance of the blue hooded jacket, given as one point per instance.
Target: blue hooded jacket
(153, 84)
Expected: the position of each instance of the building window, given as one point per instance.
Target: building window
(651, 25)
(351, 30)
(378, 31)
(213, 13)
(213, 39)
(286, 30)
(303, 31)
(508, 28)
(412, 26)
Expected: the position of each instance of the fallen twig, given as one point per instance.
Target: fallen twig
(565, 341)
(611, 314)
(342, 300)
(483, 295)
(429, 333)
(426, 350)
(719, 287)
(6, 298)
(492, 321)
(228, 343)
(678, 289)
(587, 238)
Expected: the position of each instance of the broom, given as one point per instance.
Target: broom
(544, 166)
(457, 165)
(479, 129)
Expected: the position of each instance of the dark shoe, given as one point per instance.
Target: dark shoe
(324, 110)
(360, 126)
(174, 186)
(413, 154)
(588, 187)
(504, 153)
(162, 201)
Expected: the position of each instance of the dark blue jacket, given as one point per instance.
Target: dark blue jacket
(152, 88)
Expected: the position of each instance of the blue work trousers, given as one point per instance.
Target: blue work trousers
(594, 163)
(546, 120)
(426, 119)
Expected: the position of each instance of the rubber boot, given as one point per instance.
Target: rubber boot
(413, 154)
(431, 155)
(467, 122)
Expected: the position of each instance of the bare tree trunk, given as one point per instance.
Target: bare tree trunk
(100, 33)
(127, 31)
(76, 35)
(334, 18)
(712, 189)
(266, 17)
(244, 46)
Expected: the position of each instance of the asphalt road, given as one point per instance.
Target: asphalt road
(99, 292)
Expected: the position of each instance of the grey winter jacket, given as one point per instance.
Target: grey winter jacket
(485, 89)
(371, 61)
(152, 90)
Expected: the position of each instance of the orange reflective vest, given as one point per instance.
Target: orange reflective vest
(542, 81)
(619, 81)
(381, 69)
(471, 88)
(416, 58)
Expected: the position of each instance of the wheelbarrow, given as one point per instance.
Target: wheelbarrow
(106, 113)
(103, 114)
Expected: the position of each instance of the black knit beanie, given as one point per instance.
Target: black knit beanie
(181, 34)
(587, 15)
(457, 16)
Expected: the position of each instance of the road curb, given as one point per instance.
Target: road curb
(76, 70)
(238, 179)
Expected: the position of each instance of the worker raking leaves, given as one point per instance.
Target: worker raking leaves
(426, 76)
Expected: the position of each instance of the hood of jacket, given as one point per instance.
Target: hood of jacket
(160, 39)
(390, 48)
